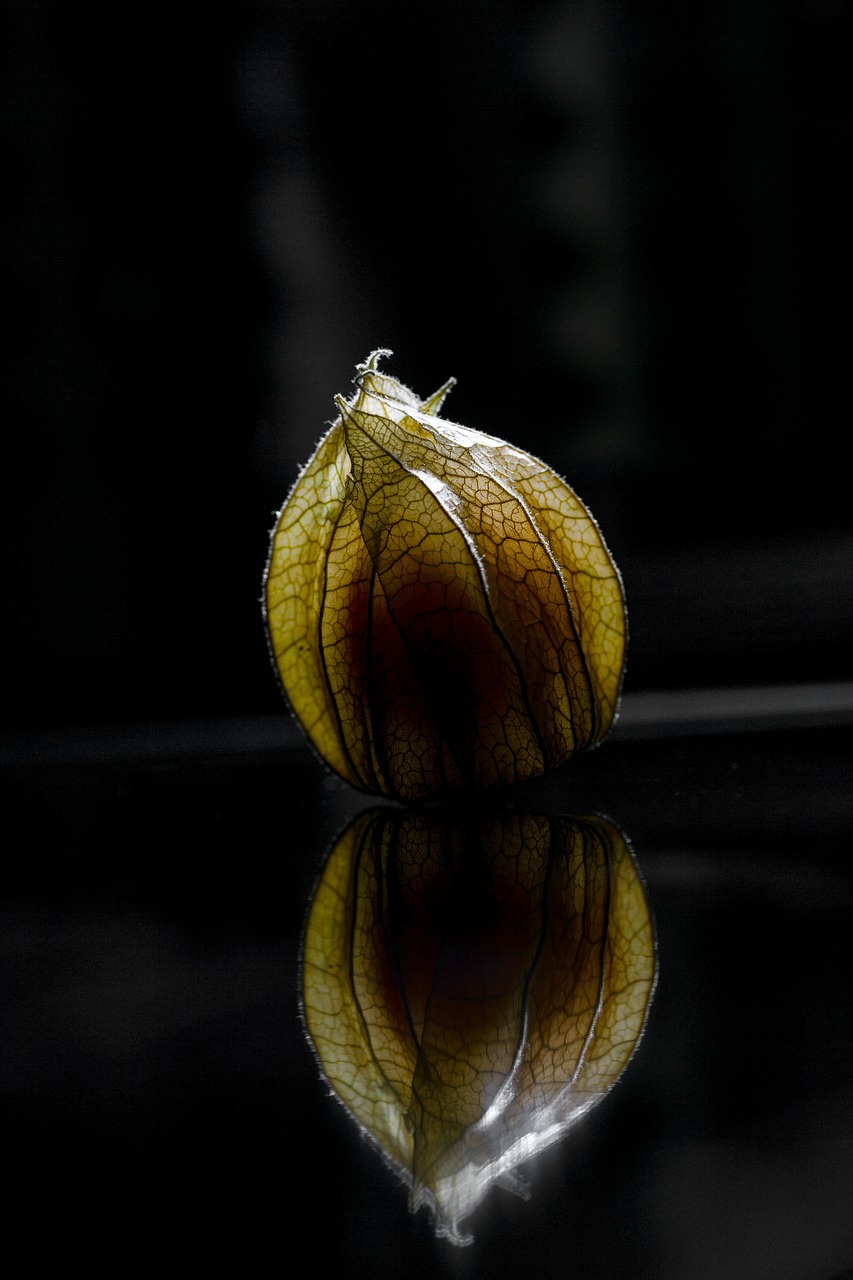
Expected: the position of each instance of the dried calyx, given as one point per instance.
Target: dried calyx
(442, 609)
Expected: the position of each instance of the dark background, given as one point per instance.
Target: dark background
(623, 228)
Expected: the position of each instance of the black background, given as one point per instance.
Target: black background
(622, 228)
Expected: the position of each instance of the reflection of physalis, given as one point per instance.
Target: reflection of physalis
(472, 986)
(441, 607)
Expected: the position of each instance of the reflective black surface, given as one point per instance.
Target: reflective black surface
(164, 1114)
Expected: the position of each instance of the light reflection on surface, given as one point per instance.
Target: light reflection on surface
(472, 985)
